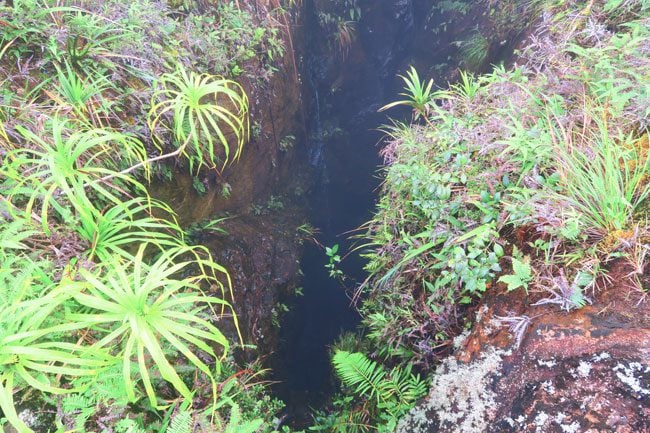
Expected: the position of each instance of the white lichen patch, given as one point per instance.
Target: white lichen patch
(461, 399)
(584, 368)
(540, 422)
(550, 363)
(548, 387)
(601, 357)
(459, 340)
(631, 376)
(574, 427)
(28, 417)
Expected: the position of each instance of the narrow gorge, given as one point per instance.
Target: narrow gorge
(340, 216)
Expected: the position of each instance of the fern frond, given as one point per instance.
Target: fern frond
(235, 424)
(357, 371)
(181, 423)
(404, 386)
(355, 421)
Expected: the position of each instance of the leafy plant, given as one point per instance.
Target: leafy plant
(334, 259)
(346, 35)
(521, 277)
(204, 109)
(419, 94)
(77, 92)
(103, 300)
(145, 308)
(393, 392)
(338, 20)
(70, 165)
(117, 229)
(548, 154)
(31, 352)
(237, 425)
(181, 423)
(198, 185)
(467, 87)
(517, 326)
(91, 36)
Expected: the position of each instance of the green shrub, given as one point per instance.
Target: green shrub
(550, 157)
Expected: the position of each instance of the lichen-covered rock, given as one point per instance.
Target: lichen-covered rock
(587, 371)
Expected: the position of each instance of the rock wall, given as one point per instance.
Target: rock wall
(262, 195)
(587, 371)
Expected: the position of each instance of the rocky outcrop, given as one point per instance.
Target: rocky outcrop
(538, 369)
(262, 255)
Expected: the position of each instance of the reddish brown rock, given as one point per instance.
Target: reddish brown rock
(587, 371)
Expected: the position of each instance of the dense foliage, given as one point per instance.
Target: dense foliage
(531, 178)
(538, 172)
(111, 318)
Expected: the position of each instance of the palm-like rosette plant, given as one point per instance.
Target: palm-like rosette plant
(419, 94)
(31, 351)
(115, 230)
(205, 110)
(145, 309)
(68, 166)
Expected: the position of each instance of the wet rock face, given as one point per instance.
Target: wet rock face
(578, 372)
(262, 256)
(387, 31)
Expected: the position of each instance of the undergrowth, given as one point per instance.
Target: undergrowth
(532, 178)
(112, 318)
(555, 147)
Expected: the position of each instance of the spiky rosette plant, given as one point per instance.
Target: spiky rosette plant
(207, 112)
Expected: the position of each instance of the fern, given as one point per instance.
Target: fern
(128, 425)
(21, 276)
(394, 392)
(235, 425)
(357, 371)
(181, 423)
(80, 407)
(405, 387)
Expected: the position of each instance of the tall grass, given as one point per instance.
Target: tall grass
(604, 175)
(474, 51)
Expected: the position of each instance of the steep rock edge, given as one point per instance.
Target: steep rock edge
(259, 246)
(585, 371)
